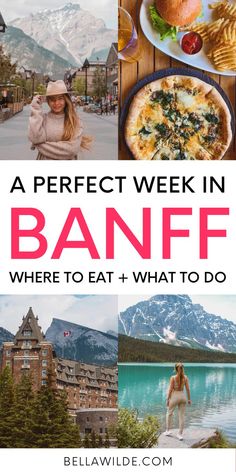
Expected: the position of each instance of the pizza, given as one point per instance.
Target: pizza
(178, 118)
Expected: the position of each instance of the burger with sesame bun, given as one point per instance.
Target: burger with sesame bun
(168, 16)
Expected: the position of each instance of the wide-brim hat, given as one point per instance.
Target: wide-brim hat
(56, 88)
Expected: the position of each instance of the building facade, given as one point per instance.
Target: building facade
(86, 72)
(112, 71)
(96, 419)
(29, 353)
(87, 386)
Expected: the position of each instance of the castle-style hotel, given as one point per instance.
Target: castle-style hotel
(91, 389)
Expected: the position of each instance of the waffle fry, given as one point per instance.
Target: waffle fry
(222, 31)
(229, 32)
(220, 35)
(200, 28)
(224, 57)
(224, 10)
(215, 28)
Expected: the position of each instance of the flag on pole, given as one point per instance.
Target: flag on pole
(67, 334)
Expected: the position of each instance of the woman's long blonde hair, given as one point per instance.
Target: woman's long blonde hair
(71, 123)
(180, 371)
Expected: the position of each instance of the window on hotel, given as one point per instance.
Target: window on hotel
(27, 332)
(101, 430)
(8, 363)
(26, 363)
(44, 352)
(44, 363)
(27, 344)
(26, 353)
(8, 353)
(44, 382)
(44, 373)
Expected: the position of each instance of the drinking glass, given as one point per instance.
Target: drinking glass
(129, 48)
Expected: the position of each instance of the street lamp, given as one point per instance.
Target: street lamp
(3, 25)
(33, 82)
(30, 75)
(106, 79)
(86, 67)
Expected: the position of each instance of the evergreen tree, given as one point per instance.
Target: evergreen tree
(107, 443)
(100, 442)
(7, 69)
(23, 417)
(99, 83)
(53, 427)
(86, 442)
(93, 440)
(7, 411)
(78, 85)
(29, 419)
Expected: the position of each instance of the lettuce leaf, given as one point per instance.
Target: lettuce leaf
(160, 25)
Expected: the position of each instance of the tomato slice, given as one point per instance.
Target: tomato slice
(192, 43)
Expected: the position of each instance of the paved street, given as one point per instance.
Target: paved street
(15, 145)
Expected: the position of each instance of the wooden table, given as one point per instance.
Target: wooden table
(152, 60)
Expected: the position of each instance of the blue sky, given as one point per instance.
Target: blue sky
(97, 312)
(105, 9)
(223, 305)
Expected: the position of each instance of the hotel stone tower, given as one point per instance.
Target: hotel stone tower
(29, 352)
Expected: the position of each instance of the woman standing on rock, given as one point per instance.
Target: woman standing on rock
(58, 134)
(176, 398)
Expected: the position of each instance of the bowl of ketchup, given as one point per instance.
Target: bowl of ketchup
(191, 43)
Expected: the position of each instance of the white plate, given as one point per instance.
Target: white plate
(172, 48)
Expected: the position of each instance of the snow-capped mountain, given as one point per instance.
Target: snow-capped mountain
(70, 32)
(27, 53)
(176, 320)
(5, 336)
(75, 342)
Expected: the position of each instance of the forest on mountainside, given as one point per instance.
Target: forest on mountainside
(136, 350)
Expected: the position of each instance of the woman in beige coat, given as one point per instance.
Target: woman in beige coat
(58, 134)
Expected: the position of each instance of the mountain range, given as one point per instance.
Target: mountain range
(5, 336)
(27, 53)
(176, 320)
(69, 32)
(75, 342)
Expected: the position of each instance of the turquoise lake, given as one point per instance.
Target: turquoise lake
(213, 392)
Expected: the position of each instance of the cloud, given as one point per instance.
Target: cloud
(96, 312)
(106, 9)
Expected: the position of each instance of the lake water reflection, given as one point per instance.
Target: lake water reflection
(213, 392)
